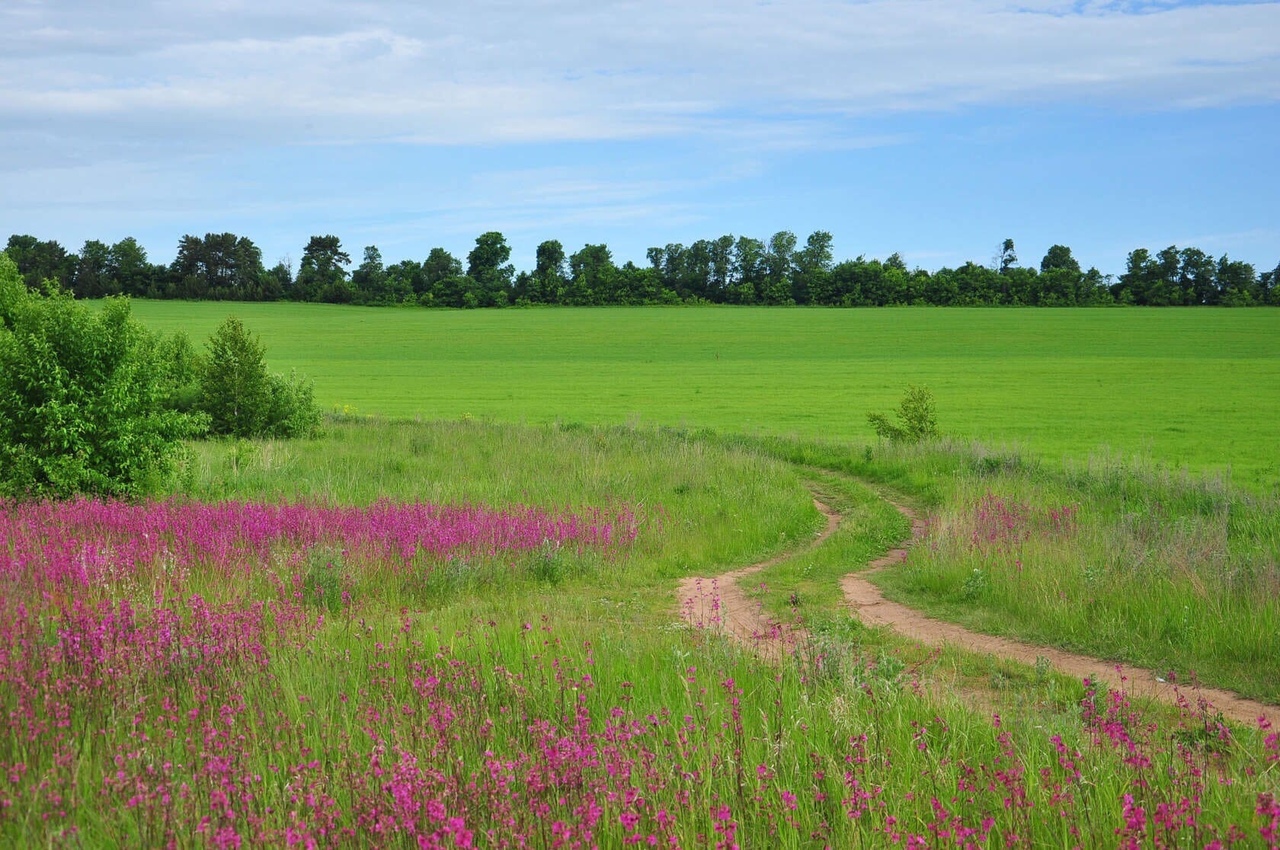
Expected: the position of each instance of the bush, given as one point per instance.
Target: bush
(82, 398)
(292, 411)
(183, 367)
(243, 399)
(916, 419)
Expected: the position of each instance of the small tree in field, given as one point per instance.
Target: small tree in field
(916, 418)
(242, 398)
(235, 388)
(82, 398)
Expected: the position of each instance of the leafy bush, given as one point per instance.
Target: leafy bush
(916, 418)
(183, 368)
(292, 411)
(243, 399)
(82, 398)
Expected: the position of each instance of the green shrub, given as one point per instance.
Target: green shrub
(292, 411)
(916, 418)
(183, 369)
(243, 399)
(82, 398)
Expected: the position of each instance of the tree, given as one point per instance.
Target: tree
(976, 285)
(546, 284)
(242, 399)
(1008, 257)
(1163, 290)
(439, 266)
(749, 271)
(778, 268)
(488, 266)
(1237, 283)
(277, 280)
(669, 263)
(94, 275)
(1269, 286)
(811, 283)
(1196, 275)
(593, 277)
(1060, 278)
(1059, 257)
(636, 285)
(218, 266)
(404, 281)
(82, 398)
(369, 280)
(696, 269)
(40, 261)
(720, 269)
(132, 270)
(235, 390)
(322, 275)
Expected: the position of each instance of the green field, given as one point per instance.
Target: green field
(202, 671)
(1195, 388)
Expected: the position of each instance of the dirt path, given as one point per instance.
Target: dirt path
(720, 604)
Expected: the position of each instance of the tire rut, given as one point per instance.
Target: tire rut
(719, 603)
(870, 606)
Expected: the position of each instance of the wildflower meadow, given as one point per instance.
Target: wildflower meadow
(258, 671)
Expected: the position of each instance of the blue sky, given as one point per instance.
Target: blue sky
(935, 128)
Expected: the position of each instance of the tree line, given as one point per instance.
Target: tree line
(728, 270)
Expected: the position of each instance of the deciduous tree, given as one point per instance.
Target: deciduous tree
(82, 398)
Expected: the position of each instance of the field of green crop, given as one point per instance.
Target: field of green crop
(1195, 388)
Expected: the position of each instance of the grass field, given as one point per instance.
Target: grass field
(161, 686)
(1199, 388)
(464, 632)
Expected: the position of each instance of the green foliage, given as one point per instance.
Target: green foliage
(82, 398)
(325, 580)
(235, 389)
(322, 274)
(683, 485)
(291, 411)
(183, 369)
(916, 418)
(1114, 558)
(243, 399)
(724, 270)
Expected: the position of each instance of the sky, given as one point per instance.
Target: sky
(931, 128)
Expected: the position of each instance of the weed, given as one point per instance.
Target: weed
(975, 585)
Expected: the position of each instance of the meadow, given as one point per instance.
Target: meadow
(461, 630)
(1191, 388)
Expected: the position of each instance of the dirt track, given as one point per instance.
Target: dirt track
(720, 604)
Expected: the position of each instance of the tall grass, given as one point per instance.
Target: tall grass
(518, 709)
(699, 506)
(1121, 559)
(517, 731)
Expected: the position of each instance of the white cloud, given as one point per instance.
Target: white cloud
(120, 115)
(202, 76)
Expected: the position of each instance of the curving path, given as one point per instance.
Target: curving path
(720, 604)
